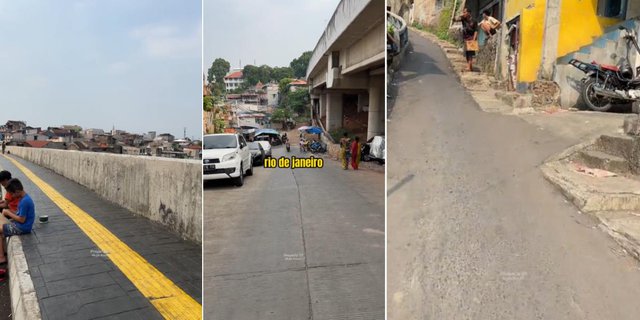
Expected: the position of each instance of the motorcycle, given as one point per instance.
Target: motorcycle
(317, 147)
(607, 85)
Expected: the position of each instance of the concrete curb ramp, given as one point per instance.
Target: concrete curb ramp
(592, 194)
(24, 302)
(614, 201)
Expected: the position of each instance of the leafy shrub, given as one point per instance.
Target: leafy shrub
(336, 134)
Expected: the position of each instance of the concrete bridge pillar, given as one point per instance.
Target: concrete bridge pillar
(323, 105)
(334, 110)
(375, 125)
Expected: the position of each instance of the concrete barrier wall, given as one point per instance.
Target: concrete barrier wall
(24, 302)
(168, 191)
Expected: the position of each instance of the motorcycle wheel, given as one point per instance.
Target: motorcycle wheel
(593, 101)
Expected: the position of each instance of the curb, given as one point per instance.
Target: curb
(591, 201)
(571, 150)
(626, 241)
(24, 302)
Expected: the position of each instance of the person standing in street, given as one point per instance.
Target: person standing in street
(4, 146)
(355, 153)
(344, 146)
(469, 36)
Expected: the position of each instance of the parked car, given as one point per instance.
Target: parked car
(257, 152)
(266, 146)
(226, 156)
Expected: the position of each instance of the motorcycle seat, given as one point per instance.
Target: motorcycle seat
(610, 67)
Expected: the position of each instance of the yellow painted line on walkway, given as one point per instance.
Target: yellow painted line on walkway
(171, 301)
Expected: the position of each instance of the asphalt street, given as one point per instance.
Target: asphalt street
(295, 244)
(474, 230)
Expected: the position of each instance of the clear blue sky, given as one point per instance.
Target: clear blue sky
(132, 64)
(271, 32)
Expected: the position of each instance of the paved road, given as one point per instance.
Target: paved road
(474, 230)
(295, 244)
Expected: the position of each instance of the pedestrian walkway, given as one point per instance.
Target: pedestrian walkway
(95, 259)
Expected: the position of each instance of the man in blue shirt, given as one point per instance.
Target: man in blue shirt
(21, 221)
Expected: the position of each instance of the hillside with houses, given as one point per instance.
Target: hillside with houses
(74, 137)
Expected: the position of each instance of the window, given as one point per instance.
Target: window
(612, 8)
(335, 59)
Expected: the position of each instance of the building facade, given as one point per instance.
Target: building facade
(272, 92)
(233, 80)
(346, 72)
(543, 35)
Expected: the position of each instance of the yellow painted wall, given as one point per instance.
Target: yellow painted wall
(514, 7)
(531, 40)
(580, 24)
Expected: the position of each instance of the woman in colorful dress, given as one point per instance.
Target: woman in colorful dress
(344, 146)
(355, 153)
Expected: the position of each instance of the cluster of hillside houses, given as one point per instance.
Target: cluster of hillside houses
(73, 137)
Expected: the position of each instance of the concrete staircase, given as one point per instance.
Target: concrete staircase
(613, 153)
(606, 49)
(484, 88)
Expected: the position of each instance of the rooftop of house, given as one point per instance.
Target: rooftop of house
(234, 75)
(36, 143)
(298, 82)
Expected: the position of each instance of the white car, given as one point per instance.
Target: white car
(226, 156)
(266, 146)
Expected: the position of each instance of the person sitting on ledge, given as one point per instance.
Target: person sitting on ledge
(21, 221)
(8, 202)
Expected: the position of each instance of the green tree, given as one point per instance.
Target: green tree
(217, 89)
(279, 73)
(207, 103)
(218, 70)
(283, 86)
(299, 65)
(254, 74)
(298, 101)
(281, 114)
(216, 109)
